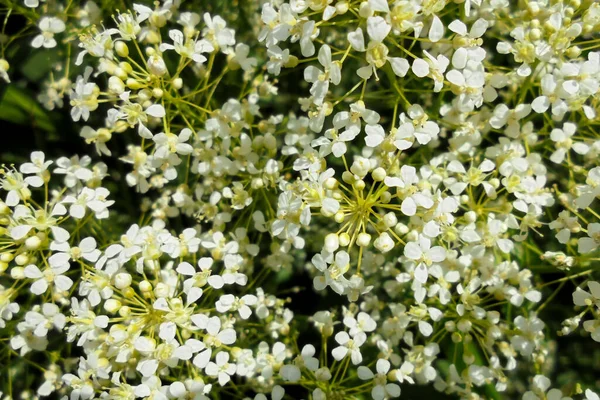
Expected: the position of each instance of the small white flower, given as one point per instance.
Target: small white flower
(381, 389)
(425, 255)
(49, 27)
(349, 346)
(50, 275)
(221, 368)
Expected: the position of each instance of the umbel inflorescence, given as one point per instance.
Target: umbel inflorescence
(304, 199)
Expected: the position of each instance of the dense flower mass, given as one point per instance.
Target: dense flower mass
(301, 199)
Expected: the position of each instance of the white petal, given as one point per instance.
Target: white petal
(156, 110)
(436, 31)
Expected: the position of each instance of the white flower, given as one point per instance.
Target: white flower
(590, 243)
(470, 51)
(362, 323)
(240, 57)
(530, 331)
(348, 345)
(221, 368)
(320, 78)
(290, 373)
(37, 166)
(75, 169)
(564, 142)
(215, 337)
(586, 299)
(229, 302)
(49, 27)
(307, 359)
(418, 126)
(49, 317)
(589, 395)
(84, 97)
(217, 32)
(333, 273)
(381, 389)
(64, 252)
(94, 199)
(425, 255)
(50, 275)
(433, 67)
(375, 135)
(277, 59)
(377, 28)
(187, 47)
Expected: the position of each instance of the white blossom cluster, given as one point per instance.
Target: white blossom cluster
(307, 199)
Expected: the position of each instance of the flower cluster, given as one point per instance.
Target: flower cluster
(324, 199)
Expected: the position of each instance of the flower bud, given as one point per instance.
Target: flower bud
(348, 177)
(4, 65)
(161, 290)
(331, 183)
(456, 337)
(385, 197)
(464, 325)
(379, 174)
(390, 219)
(22, 259)
(120, 73)
(341, 7)
(33, 243)
(121, 49)
(270, 141)
(145, 286)
(401, 229)
(292, 62)
(157, 93)
(412, 236)
(323, 374)
(128, 293)
(17, 273)
(257, 183)
(344, 239)
(468, 358)
(360, 167)
(133, 84)
(177, 83)
(112, 306)
(125, 311)
(573, 52)
(123, 280)
(363, 239)
(471, 216)
(156, 65)
(384, 242)
(115, 85)
(332, 242)
(365, 10)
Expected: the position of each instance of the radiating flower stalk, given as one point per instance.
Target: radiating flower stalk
(327, 199)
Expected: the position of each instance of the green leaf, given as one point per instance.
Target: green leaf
(20, 108)
(39, 64)
(283, 276)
